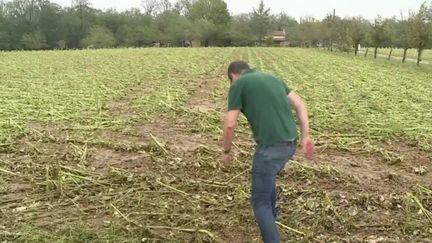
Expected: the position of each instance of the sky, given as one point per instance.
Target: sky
(369, 9)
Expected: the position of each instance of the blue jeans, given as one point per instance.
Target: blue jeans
(268, 161)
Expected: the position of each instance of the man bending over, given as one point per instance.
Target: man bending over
(266, 101)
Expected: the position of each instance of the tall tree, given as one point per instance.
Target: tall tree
(310, 32)
(329, 29)
(212, 20)
(71, 28)
(241, 31)
(378, 34)
(82, 9)
(49, 23)
(4, 27)
(183, 7)
(168, 25)
(112, 20)
(403, 31)
(392, 38)
(260, 21)
(82, 6)
(34, 41)
(358, 28)
(138, 30)
(99, 37)
(165, 5)
(215, 11)
(156, 7)
(420, 25)
(23, 20)
(343, 38)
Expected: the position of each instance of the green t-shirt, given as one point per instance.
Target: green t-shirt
(262, 98)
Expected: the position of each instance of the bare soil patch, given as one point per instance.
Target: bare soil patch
(173, 135)
(373, 174)
(104, 158)
(200, 100)
(122, 107)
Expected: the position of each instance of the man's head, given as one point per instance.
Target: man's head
(236, 69)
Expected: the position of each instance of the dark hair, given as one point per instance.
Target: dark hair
(237, 67)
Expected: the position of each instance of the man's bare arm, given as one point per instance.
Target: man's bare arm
(302, 116)
(301, 112)
(229, 127)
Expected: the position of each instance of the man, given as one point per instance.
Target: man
(266, 101)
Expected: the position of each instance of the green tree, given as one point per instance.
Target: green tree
(165, 5)
(241, 33)
(215, 11)
(420, 26)
(211, 19)
(204, 30)
(61, 44)
(391, 30)
(4, 40)
(378, 34)
(403, 31)
(22, 18)
(4, 28)
(260, 21)
(99, 37)
(86, 18)
(358, 28)
(343, 40)
(173, 28)
(310, 32)
(34, 41)
(49, 22)
(181, 31)
(112, 19)
(139, 29)
(183, 7)
(70, 28)
(136, 36)
(151, 7)
(329, 30)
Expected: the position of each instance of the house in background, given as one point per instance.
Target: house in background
(276, 38)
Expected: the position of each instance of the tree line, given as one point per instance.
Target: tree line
(41, 24)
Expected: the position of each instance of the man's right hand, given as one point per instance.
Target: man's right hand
(227, 159)
(308, 147)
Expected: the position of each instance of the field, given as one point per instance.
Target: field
(123, 146)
